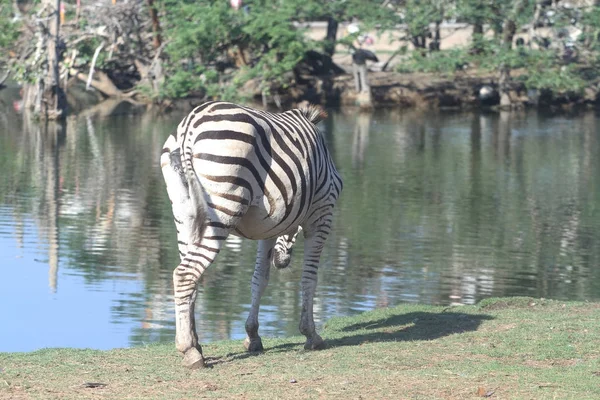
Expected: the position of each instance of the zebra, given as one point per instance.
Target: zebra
(231, 169)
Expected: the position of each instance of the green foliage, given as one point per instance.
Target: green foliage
(262, 35)
(182, 83)
(212, 34)
(9, 27)
(538, 68)
(558, 79)
(419, 14)
(591, 29)
(212, 50)
(442, 62)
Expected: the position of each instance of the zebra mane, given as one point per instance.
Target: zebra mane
(313, 112)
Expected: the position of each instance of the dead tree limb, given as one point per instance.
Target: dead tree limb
(89, 79)
(4, 78)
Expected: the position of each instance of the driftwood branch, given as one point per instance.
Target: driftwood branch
(103, 84)
(89, 79)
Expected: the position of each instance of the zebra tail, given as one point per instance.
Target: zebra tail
(198, 211)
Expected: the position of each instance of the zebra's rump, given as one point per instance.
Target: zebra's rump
(253, 165)
(256, 174)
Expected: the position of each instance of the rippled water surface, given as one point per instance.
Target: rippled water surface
(437, 208)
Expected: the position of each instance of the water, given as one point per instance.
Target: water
(437, 208)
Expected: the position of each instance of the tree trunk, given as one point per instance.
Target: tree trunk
(157, 41)
(589, 34)
(420, 43)
(53, 54)
(510, 26)
(330, 38)
(504, 87)
(537, 13)
(437, 38)
(508, 34)
(477, 37)
(50, 99)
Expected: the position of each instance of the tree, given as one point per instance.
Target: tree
(42, 92)
(214, 48)
(509, 29)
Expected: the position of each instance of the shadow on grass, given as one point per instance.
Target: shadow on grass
(213, 361)
(409, 327)
(404, 327)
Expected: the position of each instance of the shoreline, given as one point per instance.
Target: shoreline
(431, 91)
(389, 89)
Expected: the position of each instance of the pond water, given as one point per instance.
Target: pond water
(437, 208)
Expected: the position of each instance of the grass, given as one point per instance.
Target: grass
(511, 348)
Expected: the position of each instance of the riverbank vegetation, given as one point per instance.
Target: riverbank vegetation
(154, 51)
(501, 348)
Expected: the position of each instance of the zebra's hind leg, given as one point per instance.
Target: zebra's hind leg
(185, 281)
(313, 246)
(260, 279)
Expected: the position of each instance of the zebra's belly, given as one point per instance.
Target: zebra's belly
(258, 225)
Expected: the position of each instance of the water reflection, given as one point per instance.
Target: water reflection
(360, 139)
(437, 208)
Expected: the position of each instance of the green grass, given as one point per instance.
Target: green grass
(512, 348)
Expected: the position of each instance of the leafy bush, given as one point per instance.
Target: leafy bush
(539, 68)
(442, 62)
(558, 79)
(260, 38)
(9, 29)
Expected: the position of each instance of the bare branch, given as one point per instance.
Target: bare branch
(89, 79)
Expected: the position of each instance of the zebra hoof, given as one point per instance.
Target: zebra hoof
(253, 345)
(193, 359)
(316, 343)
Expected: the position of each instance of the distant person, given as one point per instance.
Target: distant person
(360, 57)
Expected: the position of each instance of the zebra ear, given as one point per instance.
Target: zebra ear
(313, 112)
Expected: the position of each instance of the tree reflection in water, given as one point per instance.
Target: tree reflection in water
(438, 208)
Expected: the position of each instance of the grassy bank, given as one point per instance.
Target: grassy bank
(502, 348)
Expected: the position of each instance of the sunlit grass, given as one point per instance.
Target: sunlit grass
(501, 348)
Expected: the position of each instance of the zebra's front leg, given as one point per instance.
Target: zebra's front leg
(260, 279)
(313, 246)
(185, 281)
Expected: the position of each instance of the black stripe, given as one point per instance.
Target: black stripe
(215, 237)
(202, 107)
(225, 210)
(244, 162)
(225, 135)
(210, 260)
(265, 145)
(216, 224)
(234, 180)
(232, 197)
(283, 146)
(289, 127)
(205, 247)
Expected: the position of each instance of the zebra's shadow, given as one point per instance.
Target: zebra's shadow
(211, 362)
(404, 327)
(412, 326)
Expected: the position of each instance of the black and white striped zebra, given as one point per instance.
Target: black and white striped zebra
(235, 170)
